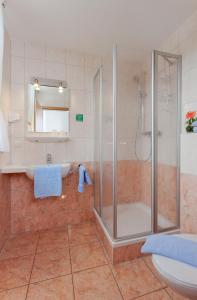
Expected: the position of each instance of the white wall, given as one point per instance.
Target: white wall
(77, 69)
(184, 42)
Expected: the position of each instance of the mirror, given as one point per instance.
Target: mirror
(48, 106)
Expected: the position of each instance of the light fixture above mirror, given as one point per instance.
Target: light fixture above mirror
(60, 88)
(36, 85)
(37, 82)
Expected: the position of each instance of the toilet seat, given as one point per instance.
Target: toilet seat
(180, 276)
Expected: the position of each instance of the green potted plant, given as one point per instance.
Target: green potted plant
(190, 118)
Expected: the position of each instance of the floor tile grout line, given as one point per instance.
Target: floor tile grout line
(5, 243)
(153, 273)
(69, 247)
(85, 243)
(51, 278)
(149, 293)
(66, 247)
(13, 288)
(82, 244)
(71, 264)
(171, 296)
(104, 248)
(15, 257)
(161, 288)
(32, 265)
(110, 267)
(152, 291)
(24, 233)
(90, 268)
(31, 254)
(96, 238)
(107, 264)
(106, 255)
(55, 249)
(36, 252)
(73, 286)
(63, 240)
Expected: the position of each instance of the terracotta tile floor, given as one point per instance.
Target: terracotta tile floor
(71, 264)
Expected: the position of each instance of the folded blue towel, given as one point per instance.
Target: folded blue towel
(47, 181)
(84, 178)
(174, 247)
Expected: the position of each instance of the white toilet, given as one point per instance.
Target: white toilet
(181, 277)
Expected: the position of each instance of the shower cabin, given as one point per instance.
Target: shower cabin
(136, 153)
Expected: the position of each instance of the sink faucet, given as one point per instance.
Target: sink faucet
(49, 158)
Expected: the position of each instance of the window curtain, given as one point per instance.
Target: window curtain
(4, 140)
(1, 46)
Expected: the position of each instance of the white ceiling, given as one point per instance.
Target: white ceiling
(95, 25)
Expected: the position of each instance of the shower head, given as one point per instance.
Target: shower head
(168, 60)
(4, 3)
(140, 85)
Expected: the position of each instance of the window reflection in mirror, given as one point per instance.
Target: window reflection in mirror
(48, 106)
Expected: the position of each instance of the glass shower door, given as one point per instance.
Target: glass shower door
(97, 85)
(166, 136)
(104, 144)
(137, 150)
(133, 147)
(108, 145)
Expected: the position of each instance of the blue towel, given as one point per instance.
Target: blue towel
(194, 124)
(47, 181)
(195, 129)
(174, 247)
(84, 178)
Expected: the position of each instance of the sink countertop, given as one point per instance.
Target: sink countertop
(11, 169)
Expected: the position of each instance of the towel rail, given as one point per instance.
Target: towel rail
(74, 169)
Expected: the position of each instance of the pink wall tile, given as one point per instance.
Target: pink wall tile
(128, 252)
(189, 203)
(129, 181)
(29, 214)
(103, 238)
(134, 184)
(4, 208)
(121, 253)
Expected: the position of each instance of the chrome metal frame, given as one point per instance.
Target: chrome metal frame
(154, 146)
(98, 74)
(114, 141)
(179, 101)
(165, 55)
(101, 137)
(154, 205)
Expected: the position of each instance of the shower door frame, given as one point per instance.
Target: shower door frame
(154, 144)
(99, 74)
(154, 157)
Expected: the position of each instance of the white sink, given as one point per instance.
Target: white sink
(31, 169)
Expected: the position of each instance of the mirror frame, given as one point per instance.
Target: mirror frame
(45, 137)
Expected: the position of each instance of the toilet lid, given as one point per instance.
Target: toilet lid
(181, 273)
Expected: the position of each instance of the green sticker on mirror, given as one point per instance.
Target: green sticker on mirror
(79, 117)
